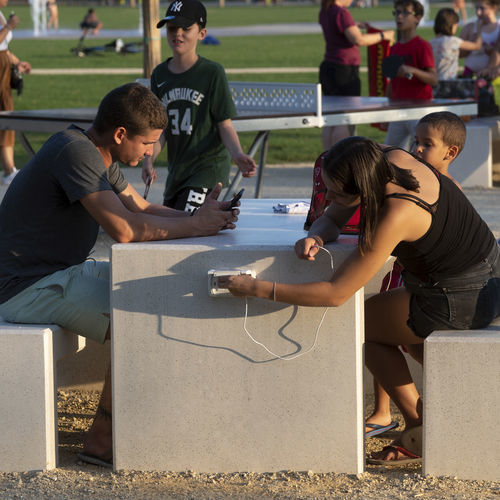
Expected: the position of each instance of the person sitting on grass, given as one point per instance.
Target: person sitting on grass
(200, 135)
(450, 257)
(439, 139)
(50, 218)
(90, 22)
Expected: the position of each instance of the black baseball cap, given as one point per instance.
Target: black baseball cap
(184, 13)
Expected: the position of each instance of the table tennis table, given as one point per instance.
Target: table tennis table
(262, 108)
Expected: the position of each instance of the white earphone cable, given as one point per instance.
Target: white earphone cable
(289, 357)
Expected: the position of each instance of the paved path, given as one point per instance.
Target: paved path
(253, 30)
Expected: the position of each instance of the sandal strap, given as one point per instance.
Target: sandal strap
(403, 451)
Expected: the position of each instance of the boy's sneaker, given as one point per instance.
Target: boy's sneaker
(7, 178)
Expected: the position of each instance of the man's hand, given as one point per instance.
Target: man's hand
(214, 216)
(307, 248)
(148, 172)
(246, 164)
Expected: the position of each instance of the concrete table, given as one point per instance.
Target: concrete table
(192, 391)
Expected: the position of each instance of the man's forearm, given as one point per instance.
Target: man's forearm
(149, 227)
(162, 211)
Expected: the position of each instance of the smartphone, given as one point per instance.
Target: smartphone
(236, 198)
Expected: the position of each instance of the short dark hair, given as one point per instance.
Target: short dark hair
(449, 125)
(416, 6)
(445, 20)
(132, 106)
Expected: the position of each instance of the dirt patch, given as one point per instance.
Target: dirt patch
(75, 480)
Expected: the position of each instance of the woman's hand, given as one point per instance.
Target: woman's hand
(24, 67)
(239, 285)
(12, 22)
(389, 36)
(308, 247)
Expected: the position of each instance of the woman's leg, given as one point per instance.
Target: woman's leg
(385, 328)
(331, 135)
(7, 159)
(381, 414)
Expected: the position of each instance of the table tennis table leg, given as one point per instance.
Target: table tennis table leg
(260, 139)
(262, 162)
(25, 143)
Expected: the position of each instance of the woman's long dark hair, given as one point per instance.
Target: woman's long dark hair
(358, 166)
(326, 4)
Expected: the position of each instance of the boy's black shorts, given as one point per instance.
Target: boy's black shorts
(188, 199)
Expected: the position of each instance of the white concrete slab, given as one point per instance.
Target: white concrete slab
(474, 165)
(28, 416)
(192, 391)
(462, 404)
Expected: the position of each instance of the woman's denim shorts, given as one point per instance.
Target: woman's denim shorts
(468, 301)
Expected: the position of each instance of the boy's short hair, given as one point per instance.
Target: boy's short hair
(416, 6)
(445, 20)
(132, 106)
(451, 127)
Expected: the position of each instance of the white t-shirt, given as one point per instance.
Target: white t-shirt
(478, 59)
(4, 45)
(446, 49)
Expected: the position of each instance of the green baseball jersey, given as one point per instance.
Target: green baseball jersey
(196, 101)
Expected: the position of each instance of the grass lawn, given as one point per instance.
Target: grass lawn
(279, 51)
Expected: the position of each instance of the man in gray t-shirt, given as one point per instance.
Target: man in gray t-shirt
(50, 218)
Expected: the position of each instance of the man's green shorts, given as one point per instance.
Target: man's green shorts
(76, 298)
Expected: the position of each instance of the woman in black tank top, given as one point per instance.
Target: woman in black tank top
(449, 255)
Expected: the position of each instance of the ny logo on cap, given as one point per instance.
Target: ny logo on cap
(176, 7)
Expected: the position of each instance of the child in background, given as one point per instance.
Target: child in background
(439, 139)
(53, 11)
(200, 135)
(446, 46)
(90, 22)
(417, 75)
(479, 60)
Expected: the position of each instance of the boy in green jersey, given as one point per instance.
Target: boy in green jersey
(200, 136)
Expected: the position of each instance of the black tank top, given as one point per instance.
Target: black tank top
(456, 239)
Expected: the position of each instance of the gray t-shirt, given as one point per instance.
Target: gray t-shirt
(43, 226)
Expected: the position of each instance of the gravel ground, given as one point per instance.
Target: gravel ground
(75, 480)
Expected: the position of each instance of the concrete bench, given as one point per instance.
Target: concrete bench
(474, 165)
(462, 404)
(28, 393)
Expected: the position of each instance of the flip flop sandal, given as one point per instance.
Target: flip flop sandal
(379, 429)
(91, 459)
(412, 458)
